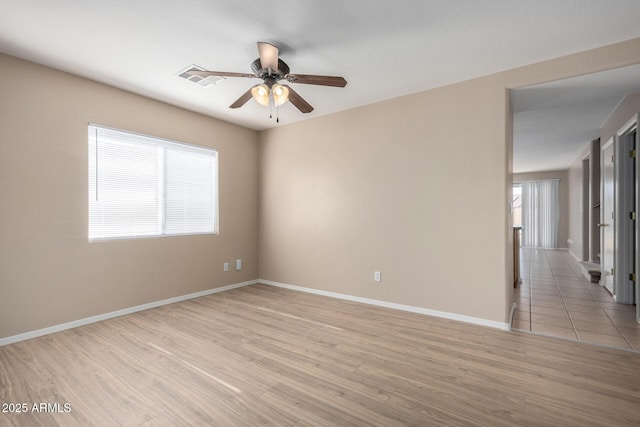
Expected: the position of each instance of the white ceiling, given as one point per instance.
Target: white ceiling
(554, 122)
(384, 49)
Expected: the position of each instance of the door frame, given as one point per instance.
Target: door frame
(587, 205)
(607, 224)
(625, 191)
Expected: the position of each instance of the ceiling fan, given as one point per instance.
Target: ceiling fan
(271, 69)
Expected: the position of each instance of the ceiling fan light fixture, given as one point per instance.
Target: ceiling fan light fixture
(261, 94)
(280, 94)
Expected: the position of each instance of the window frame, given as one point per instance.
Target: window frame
(164, 144)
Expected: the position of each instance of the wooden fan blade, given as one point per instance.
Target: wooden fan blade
(298, 101)
(268, 55)
(311, 79)
(204, 74)
(242, 100)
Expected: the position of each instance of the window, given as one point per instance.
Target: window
(540, 213)
(141, 186)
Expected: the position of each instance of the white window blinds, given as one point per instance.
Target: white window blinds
(140, 186)
(540, 213)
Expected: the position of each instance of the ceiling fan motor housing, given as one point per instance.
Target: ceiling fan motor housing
(266, 73)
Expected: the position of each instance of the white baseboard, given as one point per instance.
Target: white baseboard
(546, 249)
(412, 309)
(575, 256)
(105, 316)
(583, 270)
(117, 313)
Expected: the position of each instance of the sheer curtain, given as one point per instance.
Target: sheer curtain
(540, 213)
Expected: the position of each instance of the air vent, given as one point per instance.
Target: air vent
(205, 82)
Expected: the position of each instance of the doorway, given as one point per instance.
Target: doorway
(607, 224)
(557, 114)
(626, 231)
(586, 207)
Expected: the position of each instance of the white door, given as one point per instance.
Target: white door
(606, 217)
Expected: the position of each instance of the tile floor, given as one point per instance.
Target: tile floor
(555, 299)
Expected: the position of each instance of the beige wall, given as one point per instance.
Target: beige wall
(416, 187)
(576, 208)
(49, 273)
(397, 187)
(563, 195)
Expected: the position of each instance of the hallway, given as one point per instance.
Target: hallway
(555, 299)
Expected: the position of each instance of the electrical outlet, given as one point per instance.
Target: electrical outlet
(238, 264)
(377, 276)
(226, 266)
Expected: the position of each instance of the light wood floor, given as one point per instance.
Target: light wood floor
(261, 355)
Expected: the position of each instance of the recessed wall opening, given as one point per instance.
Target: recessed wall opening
(575, 128)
